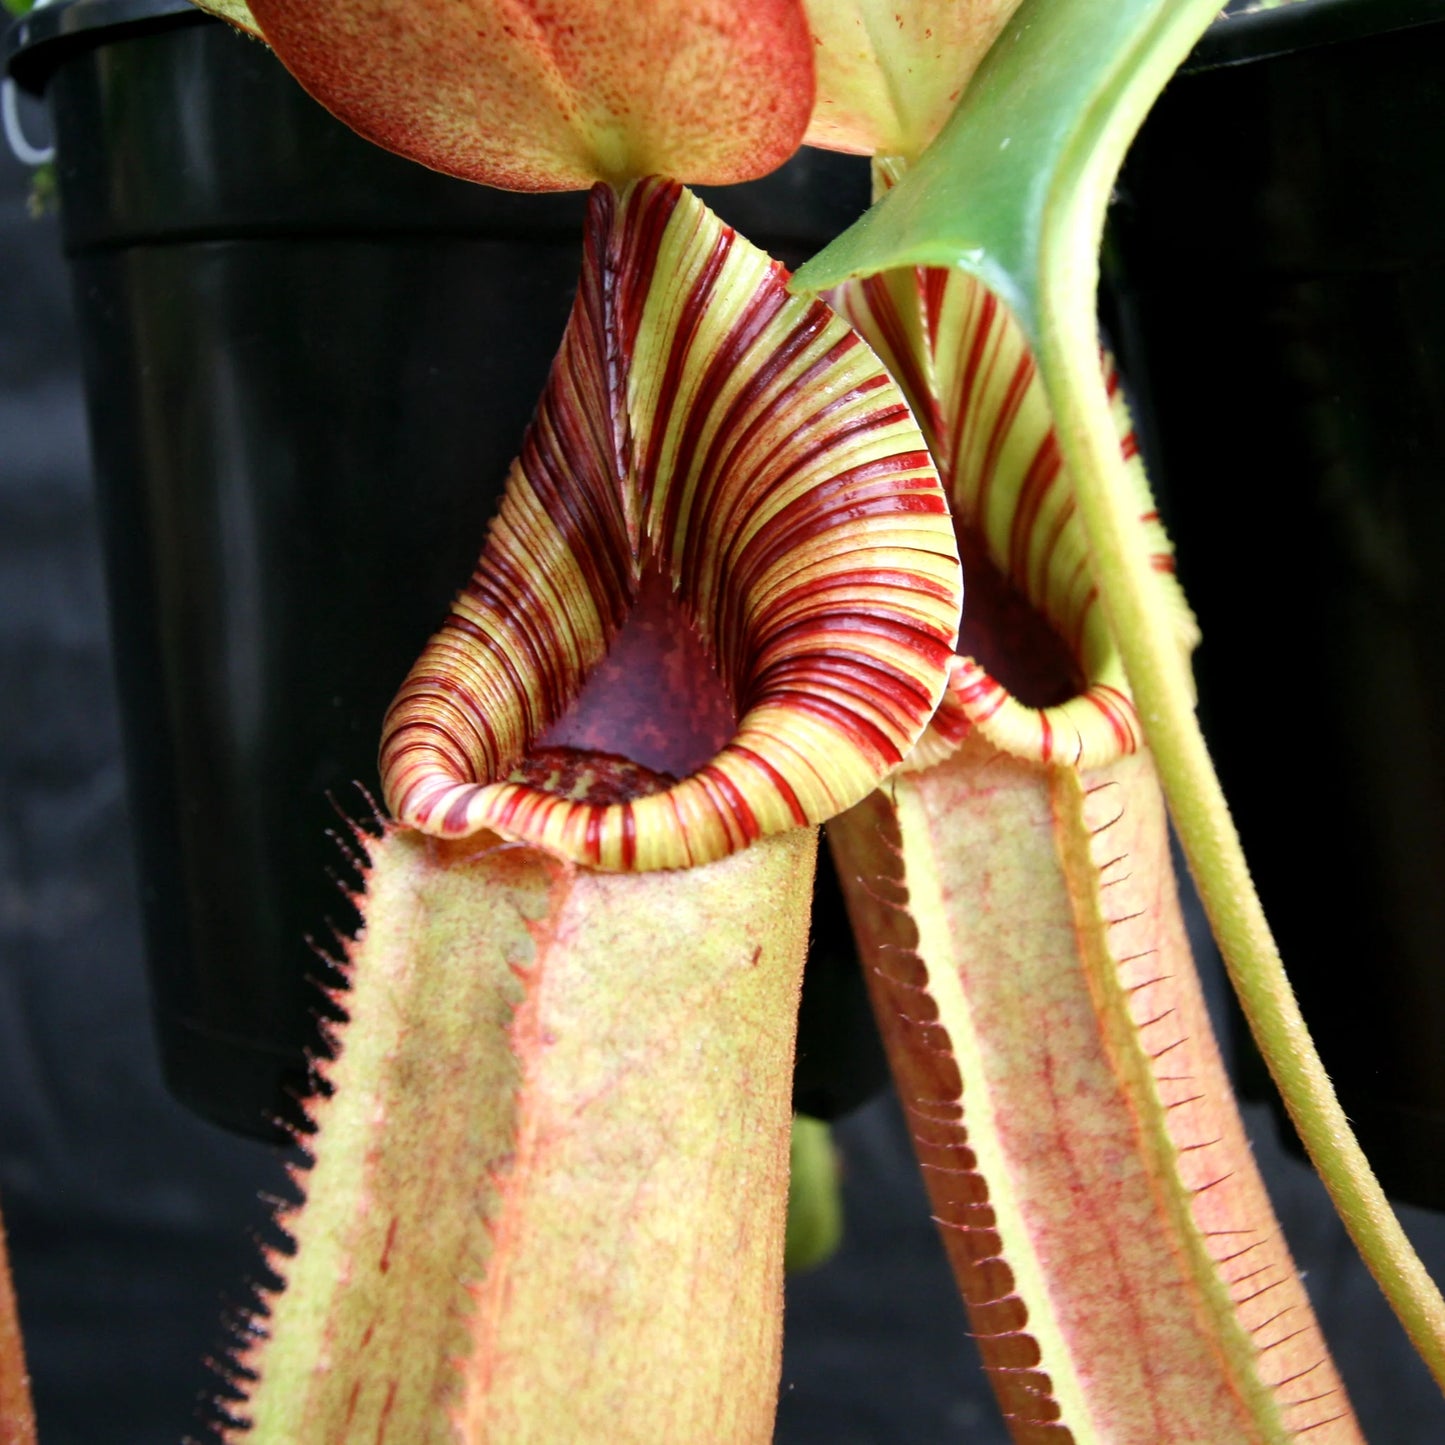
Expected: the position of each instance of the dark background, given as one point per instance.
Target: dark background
(131, 1221)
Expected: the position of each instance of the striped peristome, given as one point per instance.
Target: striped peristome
(965, 366)
(701, 425)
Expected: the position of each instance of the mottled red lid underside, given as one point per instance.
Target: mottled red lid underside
(535, 96)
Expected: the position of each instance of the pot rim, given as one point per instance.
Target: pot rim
(1243, 39)
(36, 43)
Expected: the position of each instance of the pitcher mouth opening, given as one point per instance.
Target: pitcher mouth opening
(651, 713)
(655, 702)
(1010, 638)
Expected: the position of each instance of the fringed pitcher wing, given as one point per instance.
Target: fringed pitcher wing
(1014, 898)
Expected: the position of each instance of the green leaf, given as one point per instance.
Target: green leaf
(980, 195)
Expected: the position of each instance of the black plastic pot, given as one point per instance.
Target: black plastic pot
(308, 364)
(1278, 264)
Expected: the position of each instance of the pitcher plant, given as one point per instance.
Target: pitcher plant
(719, 606)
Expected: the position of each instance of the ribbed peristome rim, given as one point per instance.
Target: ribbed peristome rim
(964, 363)
(701, 426)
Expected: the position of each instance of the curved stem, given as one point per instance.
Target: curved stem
(1069, 361)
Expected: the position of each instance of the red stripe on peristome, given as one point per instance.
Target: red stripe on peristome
(428, 677)
(721, 369)
(629, 837)
(813, 642)
(762, 483)
(631, 252)
(902, 361)
(431, 697)
(995, 695)
(731, 806)
(1003, 422)
(412, 798)
(972, 371)
(776, 780)
(840, 499)
(516, 608)
(429, 735)
(578, 500)
(518, 805)
(950, 721)
(816, 656)
(933, 283)
(766, 477)
(675, 368)
(455, 821)
(855, 682)
(817, 620)
(791, 527)
(1119, 711)
(907, 584)
(593, 833)
(746, 416)
(1044, 470)
(865, 736)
